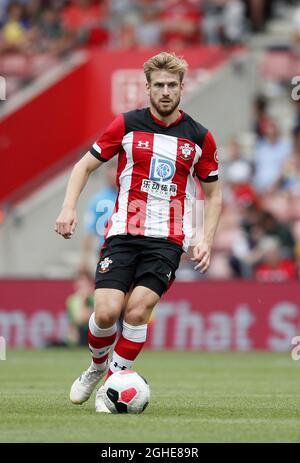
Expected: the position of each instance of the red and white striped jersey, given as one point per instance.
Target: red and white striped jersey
(157, 165)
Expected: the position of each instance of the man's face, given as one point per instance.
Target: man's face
(164, 91)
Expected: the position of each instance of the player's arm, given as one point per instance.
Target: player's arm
(207, 172)
(212, 212)
(67, 220)
(105, 148)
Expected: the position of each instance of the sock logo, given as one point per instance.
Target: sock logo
(104, 351)
(116, 365)
(99, 353)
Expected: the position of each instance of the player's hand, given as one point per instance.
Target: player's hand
(201, 253)
(66, 222)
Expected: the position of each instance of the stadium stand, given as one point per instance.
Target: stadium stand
(37, 35)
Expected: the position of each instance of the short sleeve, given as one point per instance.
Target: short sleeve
(206, 168)
(110, 142)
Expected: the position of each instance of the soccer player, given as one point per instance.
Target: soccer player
(160, 151)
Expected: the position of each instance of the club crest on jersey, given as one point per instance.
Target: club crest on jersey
(104, 265)
(161, 170)
(143, 144)
(186, 151)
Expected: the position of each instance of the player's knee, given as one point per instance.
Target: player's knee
(136, 318)
(136, 314)
(105, 319)
(106, 314)
(107, 309)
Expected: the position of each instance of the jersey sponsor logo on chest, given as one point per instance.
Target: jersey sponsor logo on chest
(161, 172)
(160, 190)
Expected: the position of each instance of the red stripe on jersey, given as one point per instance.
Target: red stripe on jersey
(208, 161)
(142, 151)
(122, 161)
(110, 142)
(186, 151)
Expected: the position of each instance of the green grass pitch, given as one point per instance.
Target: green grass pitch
(196, 397)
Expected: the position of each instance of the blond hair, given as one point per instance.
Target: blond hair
(165, 61)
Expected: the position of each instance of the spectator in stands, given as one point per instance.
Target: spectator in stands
(148, 30)
(52, 38)
(273, 267)
(180, 21)
(224, 21)
(33, 11)
(233, 22)
(84, 21)
(296, 29)
(120, 8)
(270, 156)
(259, 11)
(238, 173)
(243, 253)
(261, 116)
(14, 33)
(3, 11)
(296, 235)
(291, 176)
(124, 37)
(247, 249)
(99, 210)
(270, 226)
(79, 309)
(296, 116)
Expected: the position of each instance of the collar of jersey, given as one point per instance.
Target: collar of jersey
(162, 123)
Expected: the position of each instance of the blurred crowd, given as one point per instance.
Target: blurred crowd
(36, 35)
(259, 234)
(58, 26)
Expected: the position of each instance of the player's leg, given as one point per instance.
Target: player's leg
(102, 324)
(136, 316)
(113, 279)
(137, 313)
(155, 271)
(101, 337)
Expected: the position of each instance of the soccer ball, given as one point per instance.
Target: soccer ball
(126, 392)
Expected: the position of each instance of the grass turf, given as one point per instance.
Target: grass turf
(196, 397)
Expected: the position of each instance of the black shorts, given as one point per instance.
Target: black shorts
(127, 261)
